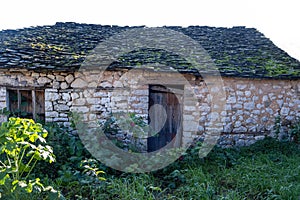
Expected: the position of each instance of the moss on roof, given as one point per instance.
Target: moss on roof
(237, 51)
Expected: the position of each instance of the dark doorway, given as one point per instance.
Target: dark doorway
(165, 116)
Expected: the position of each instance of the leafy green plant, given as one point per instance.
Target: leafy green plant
(126, 121)
(295, 132)
(128, 124)
(277, 126)
(23, 144)
(4, 111)
(75, 172)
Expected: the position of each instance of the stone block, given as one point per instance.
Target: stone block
(237, 106)
(59, 119)
(79, 83)
(231, 99)
(105, 84)
(66, 96)
(51, 114)
(74, 95)
(79, 102)
(43, 80)
(240, 129)
(284, 111)
(70, 78)
(52, 77)
(228, 128)
(61, 107)
(241, 86)
(93, 101)
(265, 98)
(83, 109)
(64, 85)
(214, 116)
(48, 106)
(60, 78)
(190, 126)
(237, 124)
(51, 96)
(249, 106)
(248, 93)
(259, 137)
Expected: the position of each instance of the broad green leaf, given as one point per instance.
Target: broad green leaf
(3, 178)
(29, 187)
(15, 182)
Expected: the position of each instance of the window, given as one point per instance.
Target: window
(27, 103)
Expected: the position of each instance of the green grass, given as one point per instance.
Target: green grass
(266, 170)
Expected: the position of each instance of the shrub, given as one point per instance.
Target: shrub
(75, 172)
(295, 132)
(23, 144)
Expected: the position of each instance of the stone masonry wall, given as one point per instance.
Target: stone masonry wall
(57, 90)
(252, 105)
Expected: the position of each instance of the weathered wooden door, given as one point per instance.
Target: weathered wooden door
(166, 117)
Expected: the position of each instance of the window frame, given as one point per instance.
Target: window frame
(33, 100)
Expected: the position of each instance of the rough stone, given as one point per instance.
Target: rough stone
(50, 96)
(69, 78)
(51, 114)
(82, 109)
(248, 93)
(93, 101)
(60, 119)
(237, 106)
(237, 124)
(66, 96)
(241, 86)
(48, 106)
(74, 95)
(231, 99)
(214, 116)
(249, 106)
(43, 80)
(64, 85)
(52, 77)
(55, 85)
(265, 98)
(228, 128)
(79, 83)
(240, 129)
(284, 111)
(60, 78)
(61, 107)
(79, 102)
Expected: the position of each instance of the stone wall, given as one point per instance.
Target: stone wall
(56, 85)
(251, 108)
(252, 105)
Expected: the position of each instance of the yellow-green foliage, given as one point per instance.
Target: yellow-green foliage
(22, 145)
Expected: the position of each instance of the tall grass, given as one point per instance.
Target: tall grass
(269, 169)
(266, 170)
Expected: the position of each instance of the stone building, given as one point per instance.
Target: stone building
(42, 76)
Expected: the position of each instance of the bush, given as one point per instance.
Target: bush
(75, 171)
(23, 144)
(295, 132)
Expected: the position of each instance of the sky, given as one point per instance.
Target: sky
(277, 19)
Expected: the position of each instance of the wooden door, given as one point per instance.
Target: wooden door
(167, 118)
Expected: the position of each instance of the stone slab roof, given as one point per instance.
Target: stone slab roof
(237, 51)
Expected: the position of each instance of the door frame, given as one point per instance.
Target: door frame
(176, 89)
